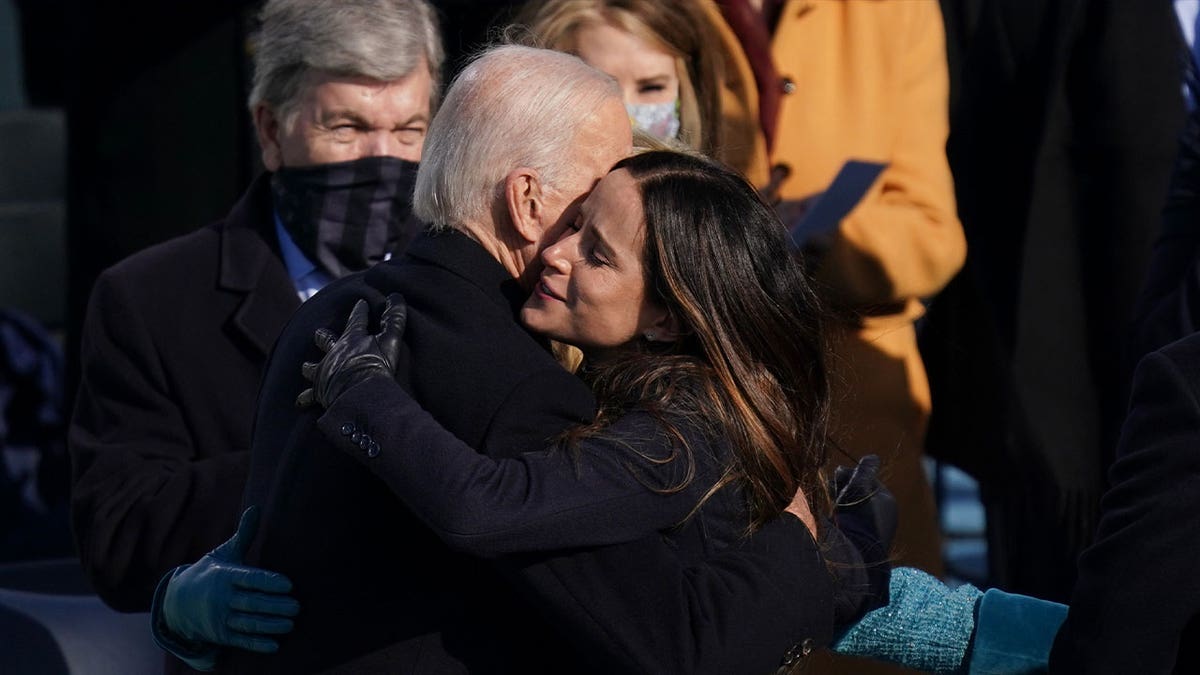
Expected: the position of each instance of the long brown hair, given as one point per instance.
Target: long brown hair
(750, 364)
(678, 27)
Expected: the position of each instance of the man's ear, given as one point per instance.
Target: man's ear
(525, 202)
(268, 128)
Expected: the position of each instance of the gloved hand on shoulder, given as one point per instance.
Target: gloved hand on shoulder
(356, 355)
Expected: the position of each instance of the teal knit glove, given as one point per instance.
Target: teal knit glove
(926, 625)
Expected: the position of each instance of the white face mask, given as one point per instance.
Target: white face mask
(660, 120)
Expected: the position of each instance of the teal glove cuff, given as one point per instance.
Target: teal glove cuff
(1014, 634)
(925, 625)
(197, 655)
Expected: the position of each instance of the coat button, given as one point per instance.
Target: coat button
(355, 437)
(797, 652)
(364, 442)
(373, 449)
(347, 429)
(787, 86)
(789, 658)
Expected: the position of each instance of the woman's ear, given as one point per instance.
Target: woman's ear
(524, 200)
(664, 326)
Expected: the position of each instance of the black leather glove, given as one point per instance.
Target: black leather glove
(859, 493)
(356, 356)
(865, 511)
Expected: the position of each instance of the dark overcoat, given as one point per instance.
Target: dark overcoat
(174, 345)
(1135, 605)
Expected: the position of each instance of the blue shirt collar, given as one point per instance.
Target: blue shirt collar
(306, 276)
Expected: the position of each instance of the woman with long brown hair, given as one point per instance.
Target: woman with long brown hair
(705, 346)
(704, 342)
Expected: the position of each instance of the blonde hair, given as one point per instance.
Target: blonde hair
(678, 27)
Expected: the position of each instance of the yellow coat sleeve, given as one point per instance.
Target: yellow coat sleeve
(904, 240)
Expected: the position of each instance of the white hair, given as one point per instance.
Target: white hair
(381, 39)
(513, 106)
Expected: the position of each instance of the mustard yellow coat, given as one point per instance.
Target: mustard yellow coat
(869, 81)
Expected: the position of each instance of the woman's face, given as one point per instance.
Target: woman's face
(592, 292)
(645, 72)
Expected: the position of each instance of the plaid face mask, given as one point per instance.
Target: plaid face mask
(348, 216)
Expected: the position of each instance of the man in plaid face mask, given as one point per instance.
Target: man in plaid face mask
(176, 336)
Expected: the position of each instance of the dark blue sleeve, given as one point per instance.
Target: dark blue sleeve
(637, 606)
(615, 488)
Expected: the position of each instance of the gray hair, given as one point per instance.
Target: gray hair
(380, 39)
(512, 106)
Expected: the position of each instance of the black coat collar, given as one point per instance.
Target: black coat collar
(458, 253)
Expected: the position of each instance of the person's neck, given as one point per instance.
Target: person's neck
(597, 357)
(504, 252)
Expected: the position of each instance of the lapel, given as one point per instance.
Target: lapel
(251, 265)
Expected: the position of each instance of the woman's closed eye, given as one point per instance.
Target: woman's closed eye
(594, 258)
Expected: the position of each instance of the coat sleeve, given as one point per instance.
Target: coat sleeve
(1168, 307)
(1137, 587)
(637, 606)
(143, 500)
(618, 487)
(905, 240)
